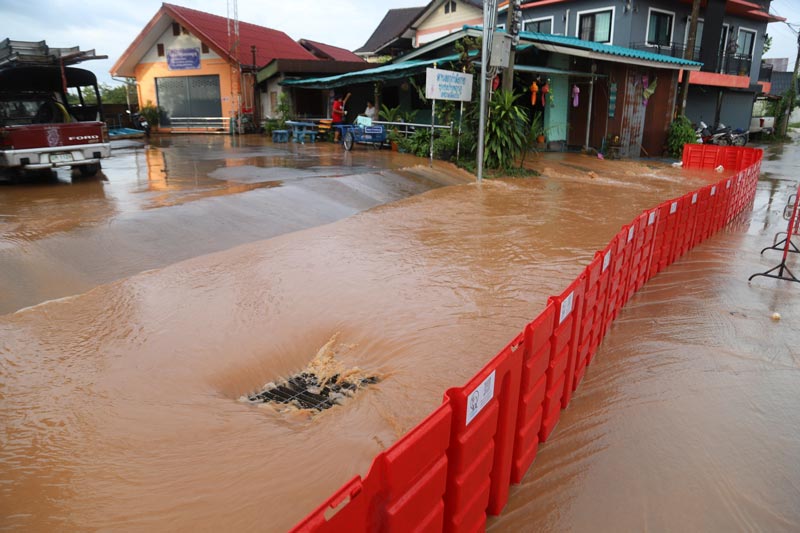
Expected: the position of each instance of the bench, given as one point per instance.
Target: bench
(280, 136)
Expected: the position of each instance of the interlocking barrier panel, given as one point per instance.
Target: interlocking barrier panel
(456, 467)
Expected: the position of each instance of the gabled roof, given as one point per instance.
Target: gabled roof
(327, 51)
(394, 23)
(212, 30)
(433, 5)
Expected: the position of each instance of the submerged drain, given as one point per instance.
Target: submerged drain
(321, 385)
(306, 391)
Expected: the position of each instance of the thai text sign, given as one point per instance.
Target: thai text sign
(183, 58)
(448, 85)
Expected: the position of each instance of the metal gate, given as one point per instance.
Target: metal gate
(183, 97)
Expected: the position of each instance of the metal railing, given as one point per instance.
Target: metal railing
(727, 63)
(407, 128)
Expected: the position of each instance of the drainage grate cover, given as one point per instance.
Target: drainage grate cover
(305, 391)
(321, 385)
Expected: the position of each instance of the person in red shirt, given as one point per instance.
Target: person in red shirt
(338, 114)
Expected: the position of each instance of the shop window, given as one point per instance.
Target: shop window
(595, 26)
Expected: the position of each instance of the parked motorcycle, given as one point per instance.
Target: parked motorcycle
(141, 123)
(721, 135)
(739, 137)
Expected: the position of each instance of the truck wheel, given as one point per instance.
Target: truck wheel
(348, 141)
(88, 171)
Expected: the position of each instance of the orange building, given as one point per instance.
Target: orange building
(200, 68)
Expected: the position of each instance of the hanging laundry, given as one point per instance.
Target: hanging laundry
(648, 90)
(545, 91)
(576, 92)
(612, 100)
(534, 92)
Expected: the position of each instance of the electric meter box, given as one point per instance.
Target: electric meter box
(501, 50)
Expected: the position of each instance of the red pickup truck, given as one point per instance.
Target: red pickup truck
(51, 117)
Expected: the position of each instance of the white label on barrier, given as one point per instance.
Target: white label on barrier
(713, 190)
(606, 260)
(673, 208)
(694, 198)
(729, 185)
(630, 233)
(566, 307)
(651, 218)
(481, 396)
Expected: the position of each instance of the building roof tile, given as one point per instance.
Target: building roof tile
(270, 44)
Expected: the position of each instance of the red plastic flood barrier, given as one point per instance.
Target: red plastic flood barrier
(456, 466)
(403, 490)
(563, 349)
(482, 441)
(533, 385)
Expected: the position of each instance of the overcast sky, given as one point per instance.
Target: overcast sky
(109, 26)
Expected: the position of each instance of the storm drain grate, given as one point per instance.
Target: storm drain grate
(307, 391)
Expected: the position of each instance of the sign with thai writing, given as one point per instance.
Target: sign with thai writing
(183, 58)
(481, 396)
(448, 85)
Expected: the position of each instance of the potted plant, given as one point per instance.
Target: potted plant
(394, 139)
(537, 129)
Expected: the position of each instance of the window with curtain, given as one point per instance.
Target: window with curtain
(659, 28)
(595, 27)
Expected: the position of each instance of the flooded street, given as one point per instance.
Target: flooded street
(121, 407)
(180, 197)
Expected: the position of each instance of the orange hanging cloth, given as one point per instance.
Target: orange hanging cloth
(534, 92)
(545, 90)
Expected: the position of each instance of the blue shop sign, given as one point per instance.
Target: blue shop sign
(183, 58)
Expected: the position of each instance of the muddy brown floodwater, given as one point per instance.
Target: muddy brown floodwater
(121, 407)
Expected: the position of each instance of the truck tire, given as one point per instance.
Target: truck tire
(88, 171)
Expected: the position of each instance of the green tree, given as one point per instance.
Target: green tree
(115, 95)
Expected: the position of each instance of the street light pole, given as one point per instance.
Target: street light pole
(688, 54)
(489, 16)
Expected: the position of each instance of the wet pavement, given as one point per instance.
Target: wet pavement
(122, 406)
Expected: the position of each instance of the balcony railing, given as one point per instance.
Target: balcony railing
(727, 63)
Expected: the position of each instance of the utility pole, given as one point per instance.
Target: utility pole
(688, 54)
(793, 92)
(513, 27)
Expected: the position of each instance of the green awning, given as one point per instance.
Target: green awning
(392, 71)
